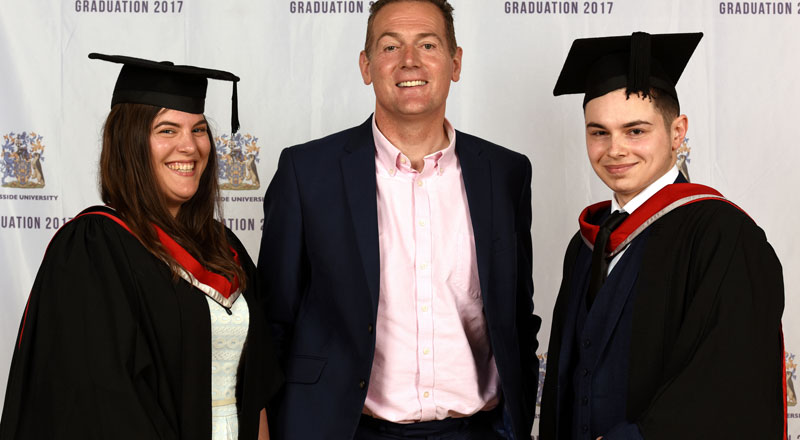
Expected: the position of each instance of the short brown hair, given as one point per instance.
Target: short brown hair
(666, 105)
(129, 185)
(443, 5)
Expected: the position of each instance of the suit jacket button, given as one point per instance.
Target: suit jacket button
(362, 384)
(369, 328)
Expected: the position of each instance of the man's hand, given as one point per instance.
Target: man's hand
(263, 430)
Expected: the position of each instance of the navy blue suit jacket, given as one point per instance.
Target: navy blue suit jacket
(320, 261)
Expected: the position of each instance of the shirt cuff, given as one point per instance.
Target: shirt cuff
(624, 431)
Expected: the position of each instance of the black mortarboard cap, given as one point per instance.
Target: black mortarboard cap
(637, 63)
(164, 84)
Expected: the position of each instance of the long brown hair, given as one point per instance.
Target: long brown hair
(129, 185)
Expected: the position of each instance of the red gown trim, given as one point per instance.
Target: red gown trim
(667, 199)
(184, 259)
(783, 374)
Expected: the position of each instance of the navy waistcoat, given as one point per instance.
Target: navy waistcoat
(596, 345)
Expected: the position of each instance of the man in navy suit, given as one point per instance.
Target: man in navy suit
(397, 258)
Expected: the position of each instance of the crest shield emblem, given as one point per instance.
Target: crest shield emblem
(237, 157)
(21, 165)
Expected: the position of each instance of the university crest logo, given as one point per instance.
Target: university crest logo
(542, 370)
(791, 369)
(683, 158)
(23, 154)
(237, 157)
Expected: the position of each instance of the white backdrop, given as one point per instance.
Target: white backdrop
(300, 81)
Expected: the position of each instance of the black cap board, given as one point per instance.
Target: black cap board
(166, 85)
(637, 63)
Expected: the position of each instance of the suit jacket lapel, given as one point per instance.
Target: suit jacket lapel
(617, 293)
(477, 175)
(358, 171)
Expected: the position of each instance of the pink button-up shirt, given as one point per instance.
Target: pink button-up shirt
(432, 359)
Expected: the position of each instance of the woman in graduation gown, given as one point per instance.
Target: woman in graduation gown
(145, 319)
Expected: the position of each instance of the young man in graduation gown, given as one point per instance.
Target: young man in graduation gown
(397, 256)
(667, 323)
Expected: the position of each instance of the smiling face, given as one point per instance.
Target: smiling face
(628, 143)
(179, 149)
(410, 64)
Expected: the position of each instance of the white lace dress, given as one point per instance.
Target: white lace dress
(228, 333)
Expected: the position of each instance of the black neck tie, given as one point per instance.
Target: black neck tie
(599, 259)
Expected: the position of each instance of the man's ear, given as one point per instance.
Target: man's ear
(680, 126)
(457, 64)
(363, 66)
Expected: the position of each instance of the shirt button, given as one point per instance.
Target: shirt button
(419, 183)
(424, 308)
(369, 328)
(422, 223)
(362, 384)
(426, 351)
(585, 372)
(402, 160)
(391, 171)
(426, 394)
(587, 343)
(423, 266)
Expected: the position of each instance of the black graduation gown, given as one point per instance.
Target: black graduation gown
(706, 358)
(111, 346)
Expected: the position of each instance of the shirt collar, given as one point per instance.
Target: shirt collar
(648, 192)
(392, 160)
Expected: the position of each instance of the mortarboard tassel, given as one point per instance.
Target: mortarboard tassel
(235, 110)
(639, 64)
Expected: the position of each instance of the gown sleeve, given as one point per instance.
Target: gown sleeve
(80, 362)
(723, 375)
